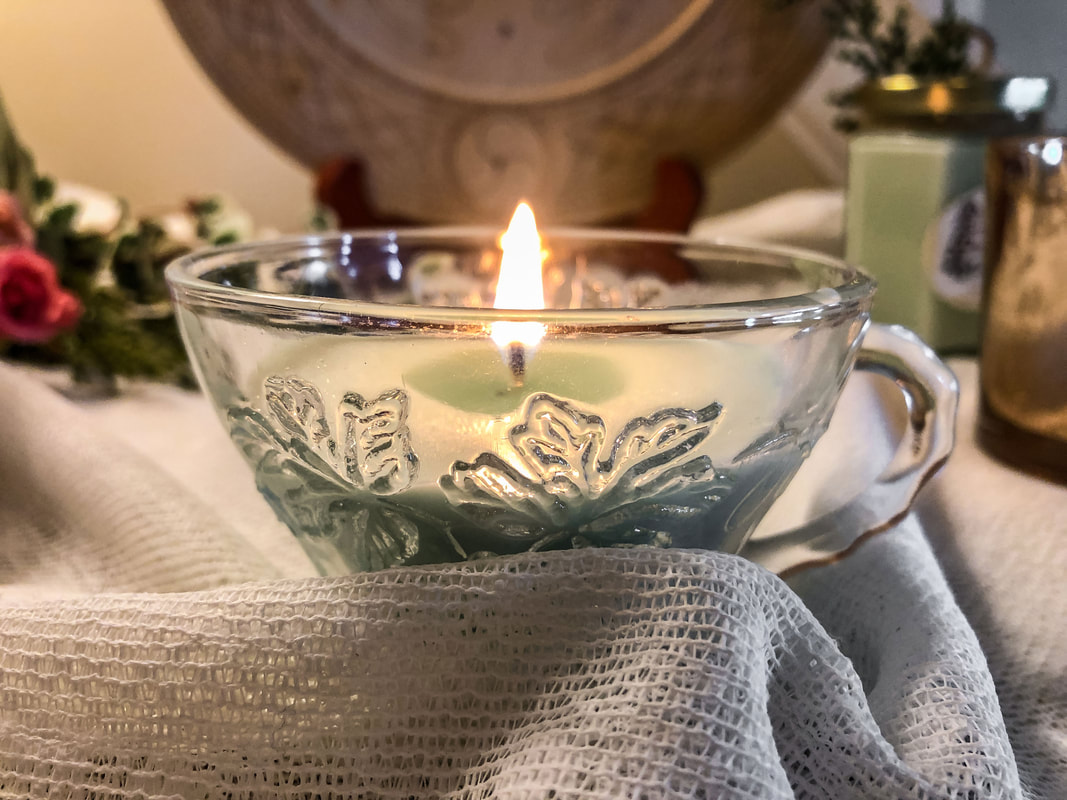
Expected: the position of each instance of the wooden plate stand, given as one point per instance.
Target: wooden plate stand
(678, 191)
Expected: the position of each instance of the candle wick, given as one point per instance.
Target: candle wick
(516, 358)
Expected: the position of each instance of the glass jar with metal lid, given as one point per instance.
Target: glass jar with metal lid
(916, 207)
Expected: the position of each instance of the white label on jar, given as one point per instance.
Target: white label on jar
(954, 251)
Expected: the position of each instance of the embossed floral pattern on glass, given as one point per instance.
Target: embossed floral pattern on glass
(662, 407)
(333, 481)
(562, 481)
(347, 485)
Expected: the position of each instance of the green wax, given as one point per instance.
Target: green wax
(476, 379)
(900, 187)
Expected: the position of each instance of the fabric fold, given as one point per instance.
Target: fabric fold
(148, 650)
(82, 512)
(595, 673)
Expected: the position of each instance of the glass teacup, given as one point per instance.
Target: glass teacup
(676, 389)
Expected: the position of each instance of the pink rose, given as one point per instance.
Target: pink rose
(14, 229)
(33, 306)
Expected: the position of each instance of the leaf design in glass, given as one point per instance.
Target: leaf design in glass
(560, 478)
(377, 443)
(325, 492)
(297, 406)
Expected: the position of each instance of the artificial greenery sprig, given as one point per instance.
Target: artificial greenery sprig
(879, 45)
(88, 298)
(115, 276)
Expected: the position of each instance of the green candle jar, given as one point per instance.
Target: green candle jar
(915, 214)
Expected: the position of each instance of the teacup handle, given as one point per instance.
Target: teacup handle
(932, 395)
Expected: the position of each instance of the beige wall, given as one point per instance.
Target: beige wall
(768, 165)
(106, 94)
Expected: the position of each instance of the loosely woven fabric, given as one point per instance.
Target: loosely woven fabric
(1002, 540)
(162, 636)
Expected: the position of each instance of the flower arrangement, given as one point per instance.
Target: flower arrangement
(81, 280)
(34, 308)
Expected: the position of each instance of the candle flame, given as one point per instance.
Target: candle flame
(519, 285)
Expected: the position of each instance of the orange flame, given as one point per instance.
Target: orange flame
(519, 285)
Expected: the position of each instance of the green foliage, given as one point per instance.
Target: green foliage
(111, 342)
(878, 46)
(127, 327)
(139, 259)
(943, 52)
(44, 188)
(322, 219)
(17, 172)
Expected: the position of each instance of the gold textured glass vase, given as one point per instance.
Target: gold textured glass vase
(1024, 350)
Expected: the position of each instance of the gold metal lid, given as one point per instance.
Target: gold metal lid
(975, 104)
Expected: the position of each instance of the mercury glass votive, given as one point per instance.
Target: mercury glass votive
(675, 388)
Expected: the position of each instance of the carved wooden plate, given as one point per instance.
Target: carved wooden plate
(460, 107)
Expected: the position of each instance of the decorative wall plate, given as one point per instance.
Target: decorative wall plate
(460, 107)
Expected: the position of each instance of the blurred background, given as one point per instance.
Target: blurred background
(107, 95)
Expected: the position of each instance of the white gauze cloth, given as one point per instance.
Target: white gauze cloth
(161, 636)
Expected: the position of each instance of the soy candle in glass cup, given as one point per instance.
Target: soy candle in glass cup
(391, 415)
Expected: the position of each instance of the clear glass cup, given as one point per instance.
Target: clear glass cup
(678, 387)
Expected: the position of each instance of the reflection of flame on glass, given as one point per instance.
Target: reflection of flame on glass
(519, 287)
